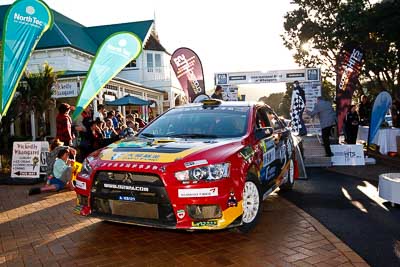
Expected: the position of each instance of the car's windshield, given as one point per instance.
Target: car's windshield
(200, 122)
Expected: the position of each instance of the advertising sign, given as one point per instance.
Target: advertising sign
(44, 151)
(347, 155)
(26, 160)
(189, 71)
(24, 25)
(113, 55)
(381, 106)
(65, 89)
(349, 65)
(275, 76)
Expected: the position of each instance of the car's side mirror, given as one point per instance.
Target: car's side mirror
(264, 132)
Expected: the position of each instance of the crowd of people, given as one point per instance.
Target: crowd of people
(94, 129)
(75, 140)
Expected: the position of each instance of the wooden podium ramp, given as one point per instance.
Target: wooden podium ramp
(314, 152)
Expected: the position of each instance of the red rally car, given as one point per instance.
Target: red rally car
(201, 166)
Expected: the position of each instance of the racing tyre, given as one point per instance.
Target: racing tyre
(289, 178)
(252, 205)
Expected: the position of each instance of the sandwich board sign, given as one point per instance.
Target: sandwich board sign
(347, 155)
(26, 160)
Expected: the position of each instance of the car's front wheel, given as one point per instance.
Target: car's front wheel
(252, 202)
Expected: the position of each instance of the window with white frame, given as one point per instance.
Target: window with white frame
(150, 62)
(154, 62)
(157, 59)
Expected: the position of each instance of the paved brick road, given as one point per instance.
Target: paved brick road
(42, 230)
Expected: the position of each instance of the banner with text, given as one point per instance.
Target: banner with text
(274, 76)
(189, 71)
(26, 160)
(347, 155)
(24, 24)
(349, 65)
(113, 55)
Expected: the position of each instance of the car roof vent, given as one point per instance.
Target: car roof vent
(211, 102)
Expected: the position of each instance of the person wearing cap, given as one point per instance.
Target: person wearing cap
(64, 125)
(217, 93)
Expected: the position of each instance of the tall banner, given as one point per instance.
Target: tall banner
(113, 55)
(24, 24)
(349, 65)
(381, 106)
(189, 71)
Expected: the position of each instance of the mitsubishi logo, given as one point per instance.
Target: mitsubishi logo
(128, 179)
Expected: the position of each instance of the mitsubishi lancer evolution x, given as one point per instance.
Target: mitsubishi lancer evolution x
(200, 166)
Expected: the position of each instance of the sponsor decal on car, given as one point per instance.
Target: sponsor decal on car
(80, 184)
(127, 198)
(127, 187)
(270, 144)
(195, 163)
(269, 157)
(198, 192)
(180, 214)
(247, 152)
(116, 156)
(271, 172)
(232, 201)
(205, 223)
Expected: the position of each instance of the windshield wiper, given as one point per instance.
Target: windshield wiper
(147, 134)
(194, 135)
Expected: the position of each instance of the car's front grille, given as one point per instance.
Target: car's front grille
(131, 197)
(128, 177)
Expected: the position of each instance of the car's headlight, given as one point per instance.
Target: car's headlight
(86, 168)
(208, 173)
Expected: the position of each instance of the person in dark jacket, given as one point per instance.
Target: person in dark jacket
(364, 110)
(217, 93)
(351, 125)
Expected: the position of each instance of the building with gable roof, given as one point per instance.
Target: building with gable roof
(70, 47)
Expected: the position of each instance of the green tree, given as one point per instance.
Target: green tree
(38, 93)
(317, 29)
(273, 100)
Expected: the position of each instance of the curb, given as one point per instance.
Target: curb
(347, 252)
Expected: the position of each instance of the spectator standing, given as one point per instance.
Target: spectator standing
(101, 110)
(217, 93)
(351, 125)
(364, 110)
(327, 118)
(64, 125)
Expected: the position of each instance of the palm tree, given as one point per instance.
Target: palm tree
(40, 87)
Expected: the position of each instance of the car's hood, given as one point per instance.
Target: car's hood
(159, 150)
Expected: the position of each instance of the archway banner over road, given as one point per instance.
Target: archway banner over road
(276, 76)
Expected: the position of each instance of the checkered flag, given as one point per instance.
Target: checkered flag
(298, 107)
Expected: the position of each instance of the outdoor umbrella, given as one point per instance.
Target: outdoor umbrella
(128, 100)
